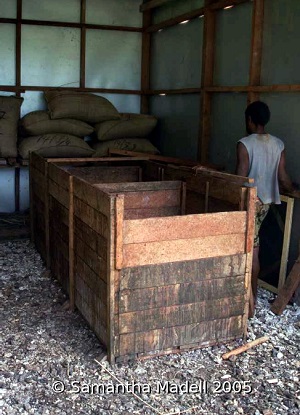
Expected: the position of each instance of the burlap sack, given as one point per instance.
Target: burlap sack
(130, 144)
(80, 106)
(40, 123)
(129, 125)
(9, 116)
(55, 145)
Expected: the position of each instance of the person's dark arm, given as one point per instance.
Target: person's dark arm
(285, 183)
(242, 157)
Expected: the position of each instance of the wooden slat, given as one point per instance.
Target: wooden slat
(145, 63)
(92, 196)
(44, 88)
(138, 186)
(203, 333)
(184, 227)
(267, 286)
(37, 162)
(182, 272)
(82, 42)
(119, 212)
(91, 217)
(59, 193)
(130, 214)
(97, 285)
(58, 211)
(58, 175)
(93, 240)
(176, 294)
(182, 250)
(157, 318)
(40, 180)
(208, 54)
(72, 287)
(256, 47)
(176, 20)
(287, 290)
(286, 242)
(151, 4)
(151, 199)
(106, 174)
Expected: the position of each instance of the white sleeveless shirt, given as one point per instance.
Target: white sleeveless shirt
(264, 152)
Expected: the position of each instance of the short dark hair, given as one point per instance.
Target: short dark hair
(259, 113)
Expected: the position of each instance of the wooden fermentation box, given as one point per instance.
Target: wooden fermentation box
(159, 261)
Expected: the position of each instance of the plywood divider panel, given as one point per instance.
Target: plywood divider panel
(181, 250)
(183, 227)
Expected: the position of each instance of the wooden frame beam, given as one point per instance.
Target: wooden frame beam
(256, 48)
(145, 64)
(176, 20)
(151, 4)
(24, 88)
(82, 43)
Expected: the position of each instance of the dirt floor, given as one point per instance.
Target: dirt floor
(49, 367)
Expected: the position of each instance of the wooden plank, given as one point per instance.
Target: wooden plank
(151, 4)
(155, 157)
(138, 186)
(202, 333)
(58, 175)
(130, 214)
(40, 180)
(44, 88)
(95, 261)
(97, 285)
(208, 54)
(17, 189)
(72, 287)
(176, 20)
(220, 4)
(106, 174)
(59, 212)
(91, 217)
(37, 162)
(182, 272)
(92, 196)
(151, 199)
(249, 298)
(258, 88)
(119, 212)
(256, 47)
(61, 195)
(182, 250)
(184, 227)
(286, 242)
(94, 241)
(145, 62)
(267, 286)
(177, 294)
(82, 42)
(46, 213)
(286, 292)
(157, 318)
(183, 198)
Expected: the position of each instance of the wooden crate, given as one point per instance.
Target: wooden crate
(149, 279)
(157, 266)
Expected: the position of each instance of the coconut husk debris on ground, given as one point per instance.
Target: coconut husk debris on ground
(45, 347)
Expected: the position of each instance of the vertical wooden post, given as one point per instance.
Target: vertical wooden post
(71, 245)
(82, 43)
(31, 200)
(249, 301)
(208, 55)
(183, 198)
(256, 47)
(17, 189)
(47, 221)
(18, 45)
(206, 197)
(119, 230)
(145, 68)
(286, 241)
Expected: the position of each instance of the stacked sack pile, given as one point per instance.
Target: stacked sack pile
(9, 117)
(71, 116)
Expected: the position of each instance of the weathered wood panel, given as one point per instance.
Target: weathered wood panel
(95, 241)
(106, 174)
(91, 217)
(182, 272)
(152, 212)
(182, 249)
(59, 193)
(176, 294)
(201, 332)
(96, 199)
(58, 176)
(183, 227)
(91, 258)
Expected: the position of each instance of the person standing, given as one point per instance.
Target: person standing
(261, 156)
